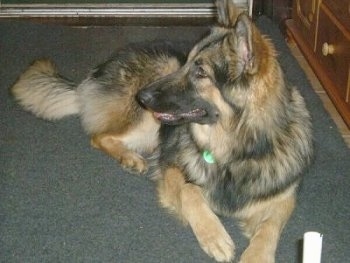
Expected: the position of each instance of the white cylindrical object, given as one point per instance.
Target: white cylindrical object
(312, 247)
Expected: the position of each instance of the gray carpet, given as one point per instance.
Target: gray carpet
(62, 201)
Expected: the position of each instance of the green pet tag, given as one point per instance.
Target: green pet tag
(208, 157)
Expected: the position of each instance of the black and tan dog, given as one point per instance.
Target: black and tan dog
(235, 137)
(245, 146)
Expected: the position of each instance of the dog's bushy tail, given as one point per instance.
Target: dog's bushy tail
(43, 92)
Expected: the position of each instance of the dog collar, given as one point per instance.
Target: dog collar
(208, 157)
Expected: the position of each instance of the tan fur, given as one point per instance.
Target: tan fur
(33, 90)
(125, 147)
(262, 222)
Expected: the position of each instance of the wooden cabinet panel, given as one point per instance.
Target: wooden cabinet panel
(333, 50)
(321, 28)
(305, 17)
(341, 8)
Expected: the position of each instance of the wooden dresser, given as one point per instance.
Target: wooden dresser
(321, 29)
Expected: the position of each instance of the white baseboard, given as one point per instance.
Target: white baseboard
(113, 10)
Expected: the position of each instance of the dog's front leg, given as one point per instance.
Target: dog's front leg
(263, 224)
(113, 145)
(188, 202)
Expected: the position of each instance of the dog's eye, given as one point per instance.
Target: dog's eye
(200, 73)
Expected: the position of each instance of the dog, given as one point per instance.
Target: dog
(244, 141)
(225, 133)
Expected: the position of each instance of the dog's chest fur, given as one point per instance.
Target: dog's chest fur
(218, 183)
(230, 183)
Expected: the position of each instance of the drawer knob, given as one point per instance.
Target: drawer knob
(327, 49)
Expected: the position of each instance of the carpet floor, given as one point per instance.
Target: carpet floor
(62, 201)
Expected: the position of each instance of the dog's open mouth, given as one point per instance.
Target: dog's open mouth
(179, 117)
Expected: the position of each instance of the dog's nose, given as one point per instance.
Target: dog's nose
(144, 97)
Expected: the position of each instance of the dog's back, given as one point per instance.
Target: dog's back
(105, 100)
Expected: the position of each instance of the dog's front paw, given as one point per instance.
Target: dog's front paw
(133, 163)
(217, 244)
(215, 241)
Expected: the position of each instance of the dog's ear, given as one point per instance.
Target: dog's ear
(244, 30)
(227, 12)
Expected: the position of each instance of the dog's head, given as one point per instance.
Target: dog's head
(201, 90)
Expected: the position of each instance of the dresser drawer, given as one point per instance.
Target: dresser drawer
(333, 51)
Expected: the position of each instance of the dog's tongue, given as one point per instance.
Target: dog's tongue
(165, 116)
(172, 117)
